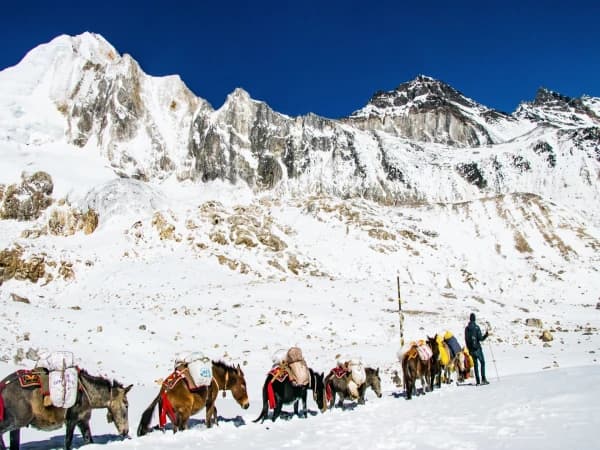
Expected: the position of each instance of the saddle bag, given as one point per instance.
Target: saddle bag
(424, 351)
(453, 345)
(357, 371)
(62, 378)
(353, 389)
(201, 371)
(444, 353)
(297, 366)
(199, 367)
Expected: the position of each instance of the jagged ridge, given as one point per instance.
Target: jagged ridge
(404, 146)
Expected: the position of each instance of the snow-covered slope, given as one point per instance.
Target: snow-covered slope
(429, 110)
(138, 221)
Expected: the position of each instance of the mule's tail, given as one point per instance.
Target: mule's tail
(144, 426)
(265, 409)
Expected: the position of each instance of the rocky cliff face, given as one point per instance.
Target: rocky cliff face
(422, 142)
(428, 110)
(554, 109)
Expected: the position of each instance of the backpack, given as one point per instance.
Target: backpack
(471, 338)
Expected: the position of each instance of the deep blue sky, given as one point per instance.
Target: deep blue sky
(330, 57)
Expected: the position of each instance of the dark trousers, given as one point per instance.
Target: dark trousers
(478, 358)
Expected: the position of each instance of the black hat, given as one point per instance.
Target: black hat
(472, 317)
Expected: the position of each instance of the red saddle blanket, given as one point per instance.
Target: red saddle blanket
(29, 379)
(339, 372)
(278, 374)
(171, 381)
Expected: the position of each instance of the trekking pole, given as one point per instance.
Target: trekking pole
(494, 360)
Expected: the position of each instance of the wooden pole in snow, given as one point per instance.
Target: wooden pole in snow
(400, 315)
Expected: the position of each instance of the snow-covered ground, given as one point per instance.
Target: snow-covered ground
(137, 300)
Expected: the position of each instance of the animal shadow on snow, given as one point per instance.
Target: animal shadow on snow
(237, 421)
(288, 415)
(402, 394)
(58, 441)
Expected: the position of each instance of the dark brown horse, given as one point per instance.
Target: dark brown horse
(283, 392)
(25, 406)
(180, 403)
(441, 364)
(335, 385)
(413, 368)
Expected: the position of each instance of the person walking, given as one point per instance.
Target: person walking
(473, 339)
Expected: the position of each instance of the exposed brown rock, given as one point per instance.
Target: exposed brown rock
(165, 229)
(67, 221)
(18, 298)
(13, 266)
(273, 242)
(532, 322)
(27, 200)
(66, 270)
(546, 336)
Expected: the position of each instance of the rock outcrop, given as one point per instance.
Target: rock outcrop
(27, 200)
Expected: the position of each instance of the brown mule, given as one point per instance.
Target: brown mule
(338, 384)
(413, 368)
(24, 406)
(180, 402)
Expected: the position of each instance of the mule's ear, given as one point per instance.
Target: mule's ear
(377, 371)
(239, 370)
(128, 388)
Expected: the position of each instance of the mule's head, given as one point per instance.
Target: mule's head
(374, 380)
(118, 408)
(317, 385)
(433, 343)
(238, 387)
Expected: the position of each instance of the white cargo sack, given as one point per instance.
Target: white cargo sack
(298, 367)
(63, 387)
(201, 371)
(359, 375)
(279, 357)
(62, 378)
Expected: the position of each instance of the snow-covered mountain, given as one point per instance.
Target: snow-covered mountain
(136, 220)
(423, 141)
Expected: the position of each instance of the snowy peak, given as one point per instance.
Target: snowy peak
(429, 110)
(552, 108)
(421, 93)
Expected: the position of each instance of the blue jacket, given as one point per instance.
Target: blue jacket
(473, 336)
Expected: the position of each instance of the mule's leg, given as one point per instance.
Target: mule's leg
(361, 393)
(86, 433)
(332, 390)
(15, 439)
(296, 408)
(182, 421)
(215, 415)
(70, 428)
(278, 407)
(304, 407)
(209, 413)
(340, 403)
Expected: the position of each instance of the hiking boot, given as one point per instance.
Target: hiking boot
(485, 382)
